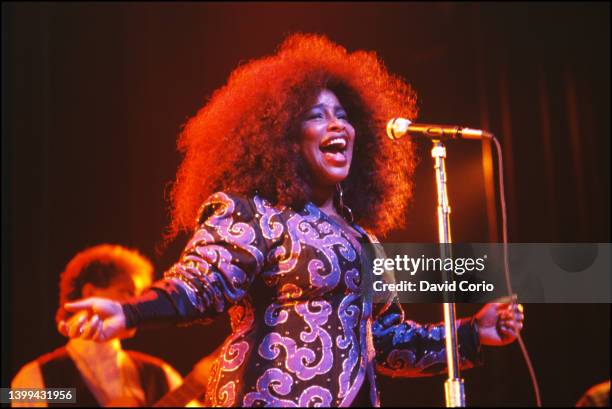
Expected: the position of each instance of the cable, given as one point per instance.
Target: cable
(502, 199)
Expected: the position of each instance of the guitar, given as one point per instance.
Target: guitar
(194, 384)
(193, 387)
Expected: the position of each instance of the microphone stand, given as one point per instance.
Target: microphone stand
(453, 386)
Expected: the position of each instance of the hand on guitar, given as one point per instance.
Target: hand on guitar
(96, 319)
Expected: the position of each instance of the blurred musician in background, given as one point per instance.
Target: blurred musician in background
(102, 372)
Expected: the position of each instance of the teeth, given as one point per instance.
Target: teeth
(335, 141)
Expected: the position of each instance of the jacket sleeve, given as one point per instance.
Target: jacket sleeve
(215, 270)
(406, 348)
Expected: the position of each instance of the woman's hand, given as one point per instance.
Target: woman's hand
(96, 319)
(499, 323)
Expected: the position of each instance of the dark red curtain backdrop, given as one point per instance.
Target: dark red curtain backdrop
(94, 95)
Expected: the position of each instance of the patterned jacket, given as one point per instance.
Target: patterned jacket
(303, 333)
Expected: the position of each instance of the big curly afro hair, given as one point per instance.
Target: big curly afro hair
(245, 140)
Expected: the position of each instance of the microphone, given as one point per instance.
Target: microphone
(399, 127)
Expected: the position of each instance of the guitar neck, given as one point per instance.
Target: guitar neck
(191, 389)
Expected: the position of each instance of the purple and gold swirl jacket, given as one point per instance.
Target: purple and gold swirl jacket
(303, 334)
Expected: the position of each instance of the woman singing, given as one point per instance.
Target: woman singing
(287, 174)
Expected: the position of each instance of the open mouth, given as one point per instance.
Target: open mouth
(334, 149)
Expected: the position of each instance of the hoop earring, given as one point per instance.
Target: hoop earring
(347, 213)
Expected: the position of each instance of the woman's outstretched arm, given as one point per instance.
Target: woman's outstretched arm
(406, 348)
(216, 269)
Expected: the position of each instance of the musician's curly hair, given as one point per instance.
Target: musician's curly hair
(245, 140)
(100, 266)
